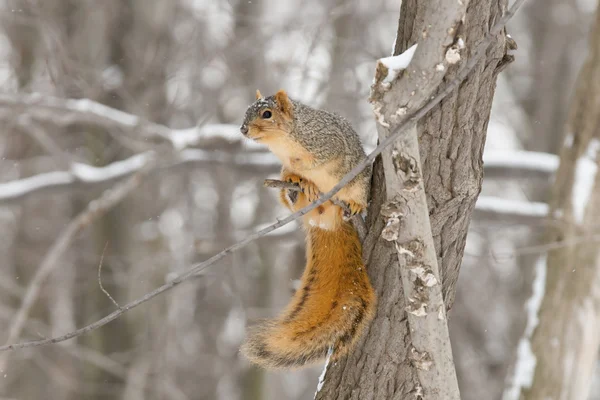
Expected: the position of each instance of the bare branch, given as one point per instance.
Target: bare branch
(397, 132)
(86, 176)
(46, 142)
(93, 211)
(100, 278)
(277, 184)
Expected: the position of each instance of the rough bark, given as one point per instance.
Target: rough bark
(451, 140)
(557, 357)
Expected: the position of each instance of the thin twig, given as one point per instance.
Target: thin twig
(100, 278)
(397, 132)
(277, 184)
(93, 211)
(60, 158)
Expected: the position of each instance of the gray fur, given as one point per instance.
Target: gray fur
(324, 134)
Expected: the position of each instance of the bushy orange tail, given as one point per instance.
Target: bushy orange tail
(333, 306)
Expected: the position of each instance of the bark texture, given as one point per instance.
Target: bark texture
(564, 345)
(451, 140)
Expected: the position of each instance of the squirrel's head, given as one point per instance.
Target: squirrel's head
(268, 117)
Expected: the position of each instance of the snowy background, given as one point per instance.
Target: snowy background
(94, 92)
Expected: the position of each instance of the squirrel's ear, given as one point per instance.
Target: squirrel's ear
(284, 102)
(258, 95)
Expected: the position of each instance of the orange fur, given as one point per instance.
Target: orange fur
(285, 105)
(335, 301)
(301, 162)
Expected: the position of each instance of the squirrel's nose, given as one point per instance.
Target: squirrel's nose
(244, 130)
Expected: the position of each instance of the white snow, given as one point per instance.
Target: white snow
(512, 207)
(19, 187)
(94, 110)
(396, 64)
(79, 173)
(569, 140)
(322, 376)
(98, 109)
(90, 174)
(585, 176)
(526, 360)
(519, 159)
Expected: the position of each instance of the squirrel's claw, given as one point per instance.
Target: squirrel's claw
(308, 188)
(352, 208)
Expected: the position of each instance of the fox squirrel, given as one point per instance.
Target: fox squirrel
(336, 301)
(316, 145)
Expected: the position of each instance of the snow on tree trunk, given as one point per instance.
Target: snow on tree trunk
(557, 359)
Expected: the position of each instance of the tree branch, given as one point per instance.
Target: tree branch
(397, 132)
(93, 211)
(86, 176)
(64, 112)
(500, 163)
(520, 211)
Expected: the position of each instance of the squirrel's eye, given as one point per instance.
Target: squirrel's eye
(266, 114)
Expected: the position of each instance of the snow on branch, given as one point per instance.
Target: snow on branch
(88, 112)
(84, 175)
(522, 211)
(501, 162)
(397, 64)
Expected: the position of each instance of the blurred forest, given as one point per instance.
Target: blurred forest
(194, 188)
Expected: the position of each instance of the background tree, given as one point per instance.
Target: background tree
(558, 352)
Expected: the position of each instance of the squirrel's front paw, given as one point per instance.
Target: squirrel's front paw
(308, 188)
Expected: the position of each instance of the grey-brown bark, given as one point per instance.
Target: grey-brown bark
(451, 140)
(562, 348)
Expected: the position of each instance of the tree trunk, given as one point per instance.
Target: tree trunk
(451, 141)
(557, 355)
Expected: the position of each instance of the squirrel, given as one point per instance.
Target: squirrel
(319, 146)
(335, 301)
